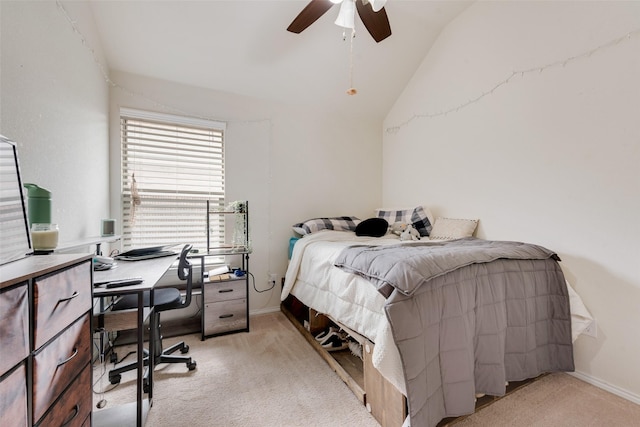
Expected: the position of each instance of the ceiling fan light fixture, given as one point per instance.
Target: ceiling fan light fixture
(375, 22)
(376, 5)
(347, 14)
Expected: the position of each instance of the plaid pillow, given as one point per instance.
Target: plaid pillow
(418, 217)
(340, 223)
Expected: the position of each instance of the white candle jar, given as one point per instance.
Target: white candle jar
(44, 236)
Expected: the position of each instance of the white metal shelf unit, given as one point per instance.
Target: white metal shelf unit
(226, 301)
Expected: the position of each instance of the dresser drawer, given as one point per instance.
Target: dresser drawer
(13, 398)
(59, 299)
(225, 316)
(55, 365)
(14, 327)
(225, 291)
(74, 407)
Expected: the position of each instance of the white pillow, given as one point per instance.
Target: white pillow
(452, 228)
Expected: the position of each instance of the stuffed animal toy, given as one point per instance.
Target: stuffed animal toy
(398, 227)
(409, 233)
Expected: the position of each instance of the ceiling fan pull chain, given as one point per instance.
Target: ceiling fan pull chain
(352, 90)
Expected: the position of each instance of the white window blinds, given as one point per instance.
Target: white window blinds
(171, 166)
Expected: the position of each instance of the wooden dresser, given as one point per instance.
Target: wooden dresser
(45, 341)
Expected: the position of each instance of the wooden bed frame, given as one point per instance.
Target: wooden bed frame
(387, 405)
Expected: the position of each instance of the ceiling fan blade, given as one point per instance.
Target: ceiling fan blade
(377, 23)
(312, 11)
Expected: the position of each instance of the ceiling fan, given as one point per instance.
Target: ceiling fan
(371, 12)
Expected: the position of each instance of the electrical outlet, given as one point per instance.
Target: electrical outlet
(592, 329)
(272, 278)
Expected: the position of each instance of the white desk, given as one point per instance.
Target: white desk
(151, 271)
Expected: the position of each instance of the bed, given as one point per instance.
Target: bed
(442, 361)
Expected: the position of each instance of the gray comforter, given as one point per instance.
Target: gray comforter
(467, 316)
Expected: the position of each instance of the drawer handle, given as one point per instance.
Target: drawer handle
(75, 294)
(222, 291)
(76, 411)
(75, 353)
(225, 316)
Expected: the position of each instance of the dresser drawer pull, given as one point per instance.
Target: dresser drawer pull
(76, 411)
(225, 316)
(75, 353)
(75, 294)
(222, 291)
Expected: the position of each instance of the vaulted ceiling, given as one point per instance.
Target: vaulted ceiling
(242, 47)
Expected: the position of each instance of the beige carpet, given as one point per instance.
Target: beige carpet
(272, 377)
(557, 400)
(268, 377)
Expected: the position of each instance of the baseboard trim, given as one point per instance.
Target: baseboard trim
(264, 311)
(625, 394)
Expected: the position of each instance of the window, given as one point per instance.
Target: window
(171, 166)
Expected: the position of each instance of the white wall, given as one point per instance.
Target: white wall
(551, 157)
(290, 164)
(54, 104)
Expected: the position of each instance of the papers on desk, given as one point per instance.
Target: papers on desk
(219, 274)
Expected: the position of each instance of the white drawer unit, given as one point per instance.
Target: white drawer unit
(225, 307)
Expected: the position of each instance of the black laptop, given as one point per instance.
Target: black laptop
(147, 253)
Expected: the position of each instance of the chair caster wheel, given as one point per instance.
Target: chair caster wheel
(191, 365)
(184, 349)
(115, 379)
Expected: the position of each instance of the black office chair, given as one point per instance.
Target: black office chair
(164, 299)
